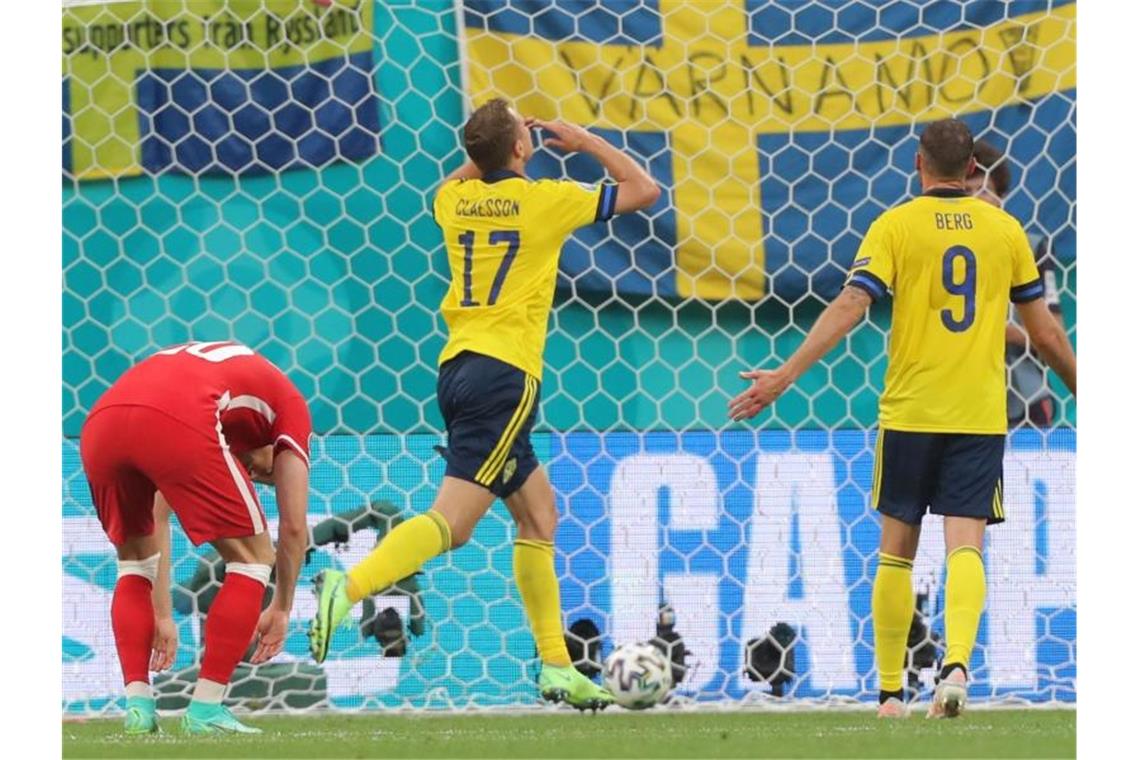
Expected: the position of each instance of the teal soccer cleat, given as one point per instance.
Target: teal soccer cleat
(205, 718)
(333, 607)
(141, 717)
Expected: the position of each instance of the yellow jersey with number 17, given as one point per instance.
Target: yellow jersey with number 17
(954, 263)
(504, 234)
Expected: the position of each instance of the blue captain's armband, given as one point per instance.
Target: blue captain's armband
(864, 280)
(1030, 291)
(607, 202)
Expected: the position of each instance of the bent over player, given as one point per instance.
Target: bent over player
(504, 234)
(953, 263)
(189, 426)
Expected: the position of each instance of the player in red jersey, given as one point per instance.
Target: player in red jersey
(190, 426)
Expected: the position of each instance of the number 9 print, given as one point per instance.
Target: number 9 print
(967, 287)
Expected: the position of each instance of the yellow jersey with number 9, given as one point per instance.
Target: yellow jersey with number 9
(504, 234)
(954, 264)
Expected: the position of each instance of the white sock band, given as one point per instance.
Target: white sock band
(209, 691)
(139, 689)
(259, 573)
(147, 568)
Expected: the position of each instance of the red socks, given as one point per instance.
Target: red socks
(230, 625)
(229, 628)
(132, 620)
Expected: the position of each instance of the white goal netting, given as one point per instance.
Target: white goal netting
(261, 170)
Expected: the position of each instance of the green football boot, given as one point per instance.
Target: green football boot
(208, 718)
(333, 607)
(567, 685)
(141, 717)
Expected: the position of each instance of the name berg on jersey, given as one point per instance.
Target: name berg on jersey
(945, 221)
(487, 207)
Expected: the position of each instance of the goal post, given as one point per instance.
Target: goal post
(262, 170)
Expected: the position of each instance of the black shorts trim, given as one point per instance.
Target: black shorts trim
(492, 467)
(489, 408)
(949, 474)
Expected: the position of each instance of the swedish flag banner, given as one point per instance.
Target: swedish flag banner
(778, 125)
(233, 86)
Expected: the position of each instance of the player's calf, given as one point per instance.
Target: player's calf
(132, 621)
(402, 552)
(230, 626)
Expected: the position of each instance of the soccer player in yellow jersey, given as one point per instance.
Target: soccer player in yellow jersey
(953, 263)
(504, 234)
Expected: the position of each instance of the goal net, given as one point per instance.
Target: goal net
(262, 170)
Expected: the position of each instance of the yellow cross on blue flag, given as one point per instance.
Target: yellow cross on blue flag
(211, 86)
(753, 113)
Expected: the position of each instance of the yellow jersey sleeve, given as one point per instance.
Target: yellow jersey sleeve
(569, 205)
(1027, 284)
(873, 269)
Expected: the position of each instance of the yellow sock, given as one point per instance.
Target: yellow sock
(401, 553)
(892, 610)
(538, 585)
(965, 598)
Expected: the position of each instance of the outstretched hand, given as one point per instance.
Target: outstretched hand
(767, 386)
(567, 137)
(164, 646)
(271, 630)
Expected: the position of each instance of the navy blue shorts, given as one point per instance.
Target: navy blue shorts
(951, 474)
(488, 407)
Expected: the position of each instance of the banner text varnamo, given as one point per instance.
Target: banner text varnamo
(706, 85)
(777, 88)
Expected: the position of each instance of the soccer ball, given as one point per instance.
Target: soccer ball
(638, 675)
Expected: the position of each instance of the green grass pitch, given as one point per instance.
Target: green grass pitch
(981, 733)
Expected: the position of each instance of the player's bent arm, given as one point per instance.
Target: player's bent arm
(1015, 335)
(635, 187)
(1059, 316)
(164, 645)
(291, 477)
(1048, 336)
(836, 321)
(160, 594)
